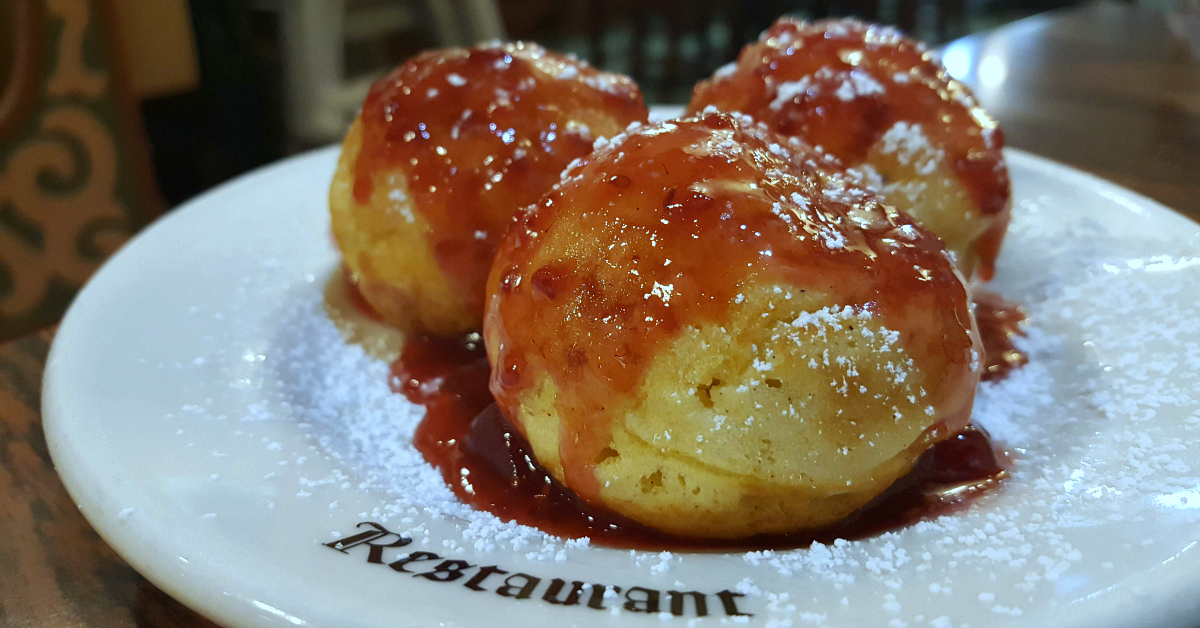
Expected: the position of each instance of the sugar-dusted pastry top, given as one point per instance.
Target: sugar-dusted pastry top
(707, 318)
(446, 149)
(883, 102)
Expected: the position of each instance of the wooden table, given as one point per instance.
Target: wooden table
(1104, 87)
(54, 569)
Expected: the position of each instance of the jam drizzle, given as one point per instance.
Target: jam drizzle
(999, 322)
(490, 467)
(860, 81)
(477, 134)
(706, 208)
(842, 84)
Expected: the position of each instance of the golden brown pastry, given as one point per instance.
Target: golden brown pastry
(445, 150)
(711, 329)
(882, 104)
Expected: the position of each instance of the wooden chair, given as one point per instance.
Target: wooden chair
(75, 179)
(671, 22)
(950, 19)
(949, 16)
(322, 99)
(655, 55)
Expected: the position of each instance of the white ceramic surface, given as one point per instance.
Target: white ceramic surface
(159, 419)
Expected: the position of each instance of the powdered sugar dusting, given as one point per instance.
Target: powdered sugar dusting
(1101, 422)
(858, 83)
(725, 71)
(789, 91)
(342, 396)
(846, 85)
(911, 146)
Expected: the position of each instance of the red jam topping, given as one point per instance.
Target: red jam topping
(491, 467)
(664, 229)
(480, 133)
(843, 84)
(999, 322)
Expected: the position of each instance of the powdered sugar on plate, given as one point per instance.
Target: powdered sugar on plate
(1087, 368)
(341, 396)
(1100, 423)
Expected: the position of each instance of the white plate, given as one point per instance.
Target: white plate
(197, 397)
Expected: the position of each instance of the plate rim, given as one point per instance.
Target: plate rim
(207, 592)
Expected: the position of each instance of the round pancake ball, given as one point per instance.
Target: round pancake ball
(445, 150)
(883, 105)
(710, 329)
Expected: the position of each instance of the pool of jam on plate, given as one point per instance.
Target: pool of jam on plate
(490, 466)
(481, 132)
(850, 83)
(999, 322)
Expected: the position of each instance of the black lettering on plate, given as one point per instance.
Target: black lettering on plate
(447, 571)
(412, 558)
(698, 602)
(519, 590)
(597, 599)
(523, 586)
(556, 585)
(730, 603)
(646, 600)
(369, 537)
(478, 578)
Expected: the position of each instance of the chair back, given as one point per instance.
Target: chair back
(75, 177)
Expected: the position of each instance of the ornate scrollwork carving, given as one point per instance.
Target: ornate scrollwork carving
(70, 231)
(60, 211)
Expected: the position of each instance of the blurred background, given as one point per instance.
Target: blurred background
(113, 111)
(276, 76)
